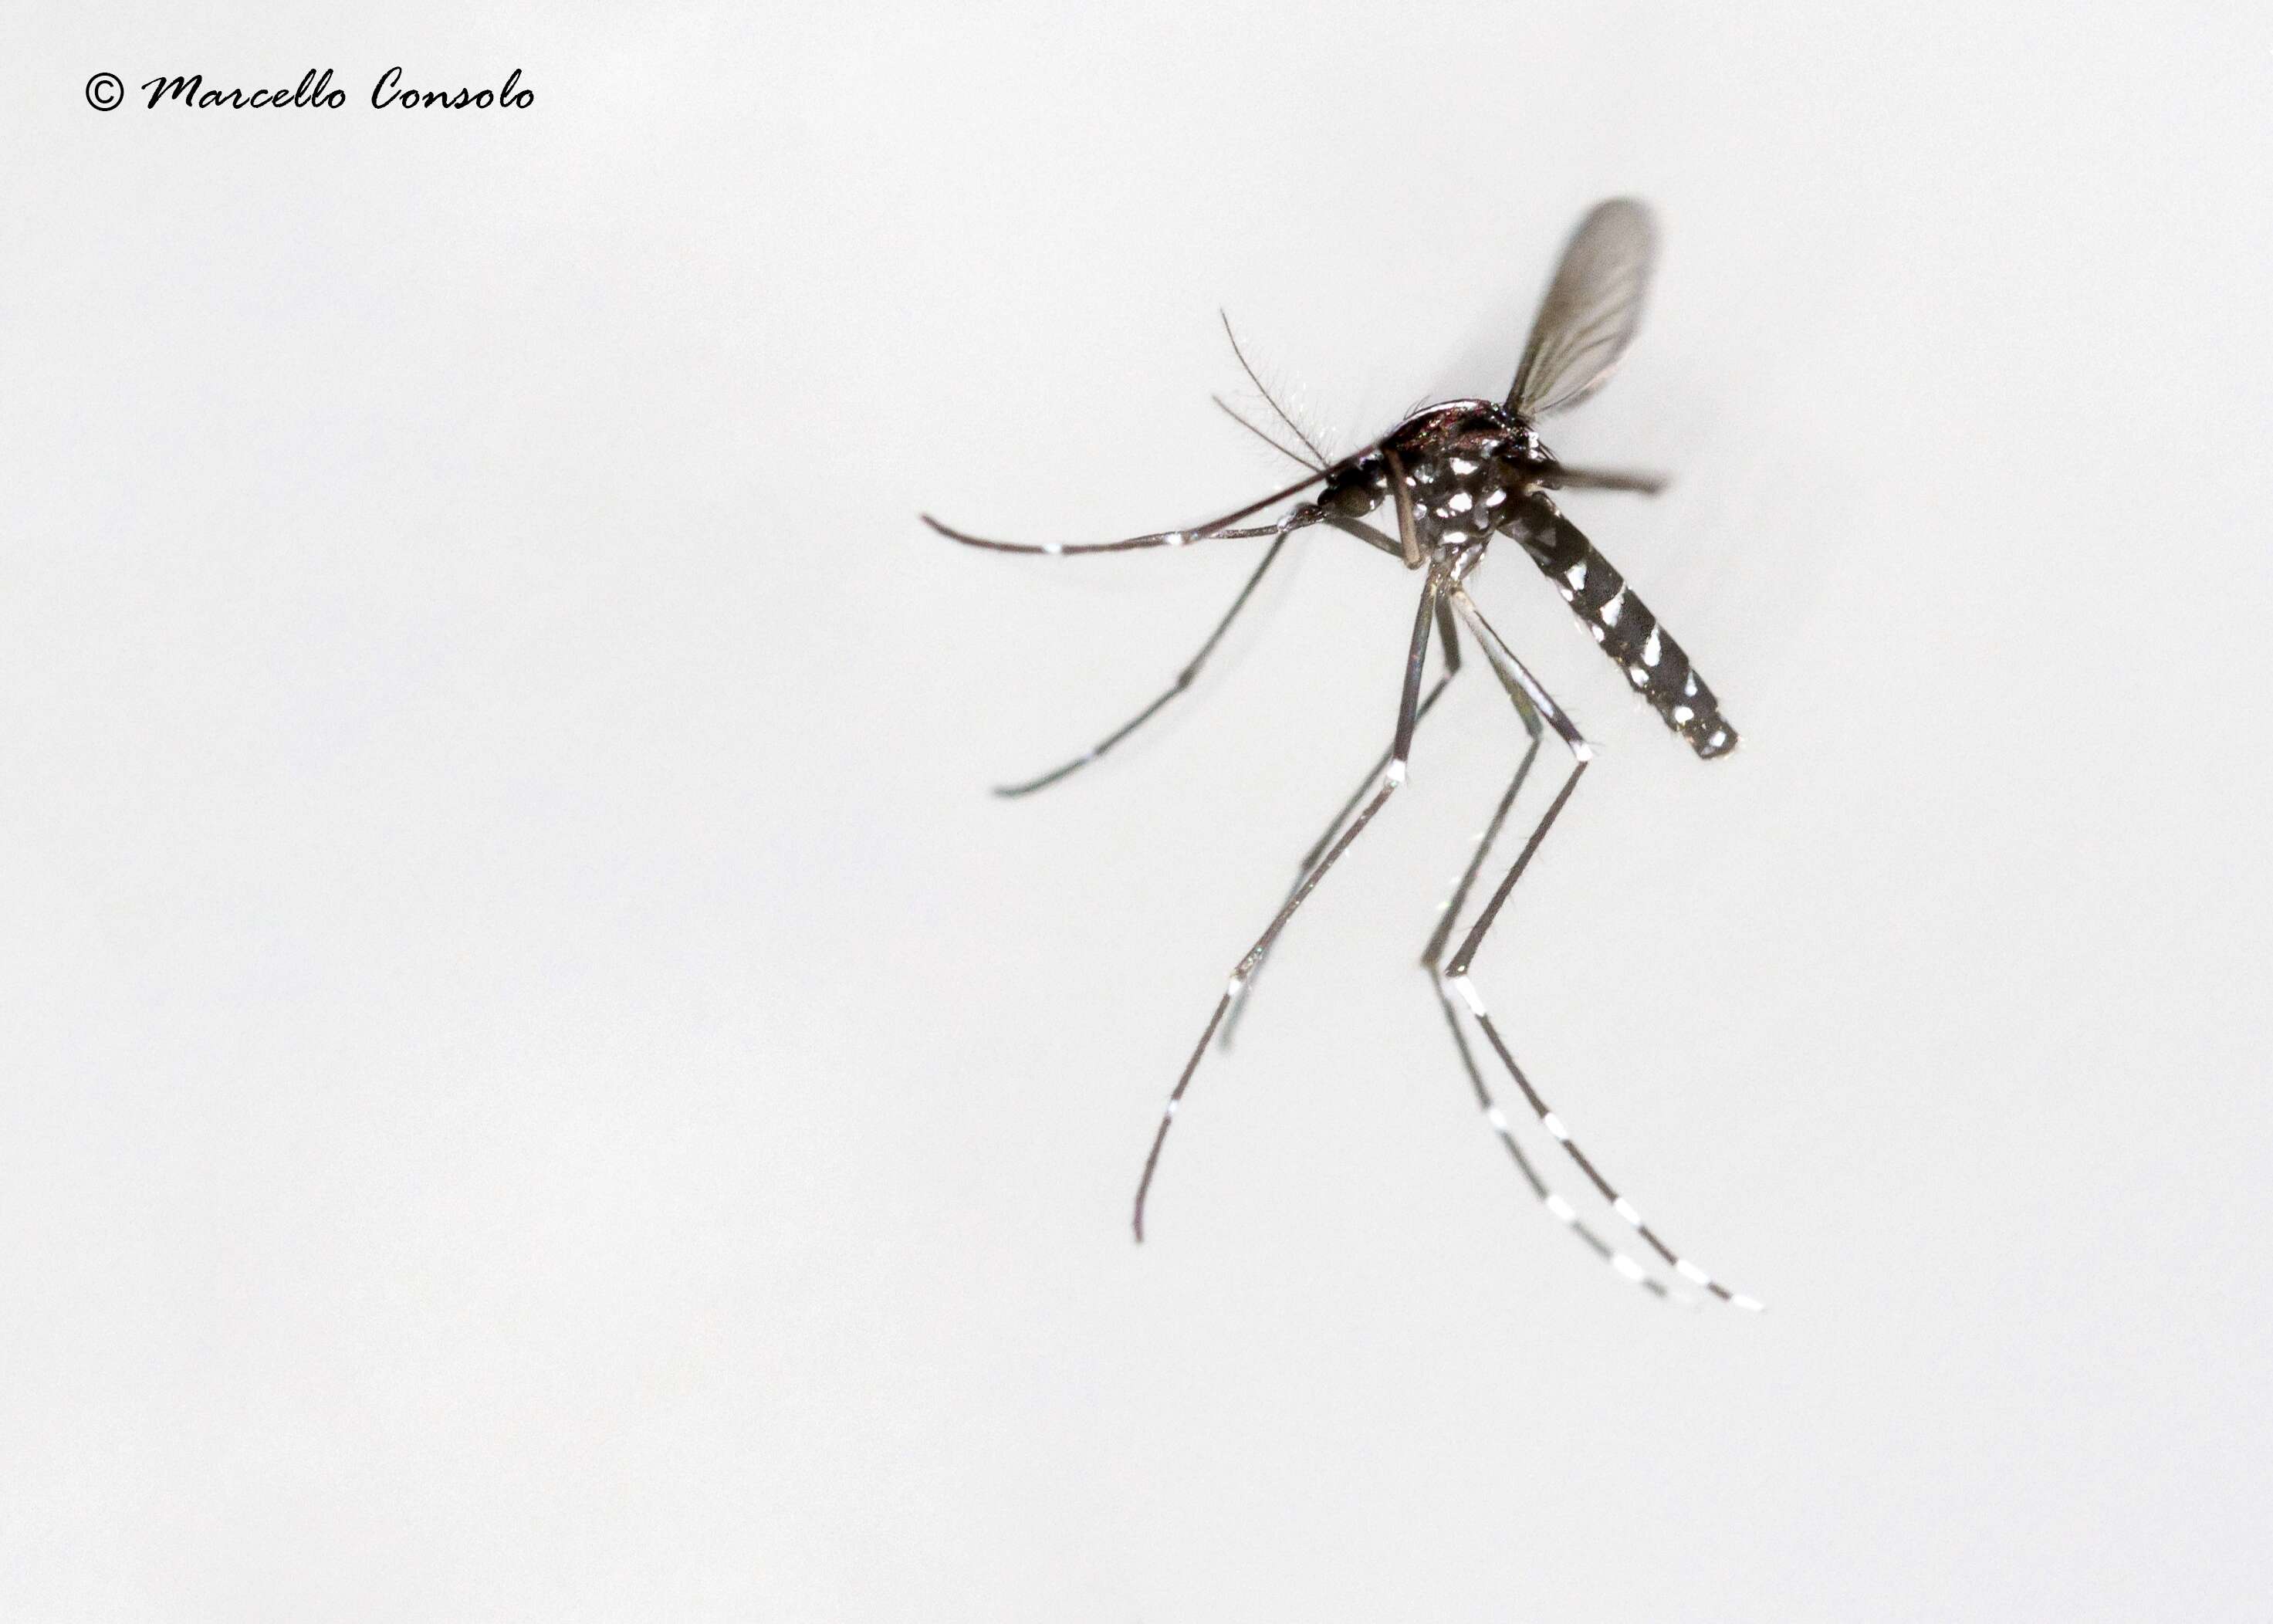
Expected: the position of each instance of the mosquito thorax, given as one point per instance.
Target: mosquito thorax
(1462, 462)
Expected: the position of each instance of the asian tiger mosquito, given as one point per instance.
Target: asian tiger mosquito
(1456, 474)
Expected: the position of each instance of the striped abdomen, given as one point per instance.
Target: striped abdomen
(1628, 632)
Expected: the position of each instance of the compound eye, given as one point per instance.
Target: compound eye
(1356, 494)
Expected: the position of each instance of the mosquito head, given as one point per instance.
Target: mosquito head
(1356, 487)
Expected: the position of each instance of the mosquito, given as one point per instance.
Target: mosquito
(1454, 477)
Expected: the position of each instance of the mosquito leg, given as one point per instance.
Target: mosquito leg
(1449, 639)
(1218, 528)
(1432, 957)
(1408, 537)
(1611, 479)
(1309, 858)
(1184, 679)
(1512, 671)
(1540, 1191)
(1408, 716)
(1363, 532)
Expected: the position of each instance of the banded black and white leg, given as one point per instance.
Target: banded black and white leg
(1222, 528)
(1226, 528)
(1183, 678)
(1512, 672)
(1432, 961)
(1448, 639)
(1392, 776)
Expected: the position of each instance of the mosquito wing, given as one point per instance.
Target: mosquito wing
(1591, 311)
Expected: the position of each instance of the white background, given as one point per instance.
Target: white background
(535, 1083)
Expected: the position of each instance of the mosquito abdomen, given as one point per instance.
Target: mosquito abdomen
(1628, 632)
